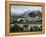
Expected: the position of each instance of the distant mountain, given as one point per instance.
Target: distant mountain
(25, 13)
(35, 13)
(31, 13)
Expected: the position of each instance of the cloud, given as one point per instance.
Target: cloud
(18, 11)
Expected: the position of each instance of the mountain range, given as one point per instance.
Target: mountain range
(31, 13)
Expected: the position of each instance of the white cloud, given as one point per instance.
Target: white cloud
(18, 11)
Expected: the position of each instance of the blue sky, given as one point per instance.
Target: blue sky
(17, 9)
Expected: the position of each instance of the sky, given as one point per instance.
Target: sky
(19, 9)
